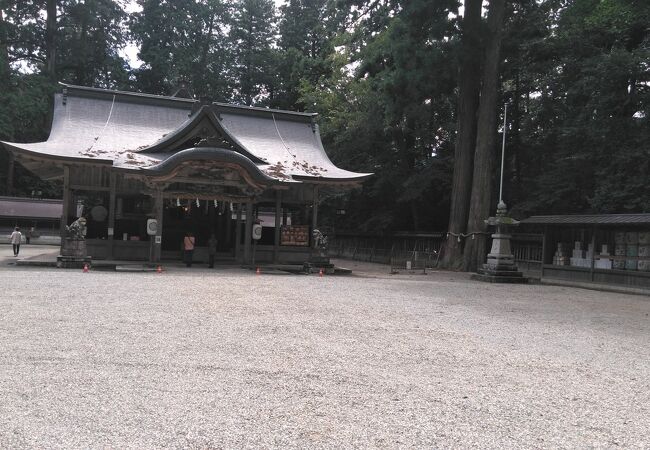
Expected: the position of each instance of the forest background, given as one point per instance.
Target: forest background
(398, 86)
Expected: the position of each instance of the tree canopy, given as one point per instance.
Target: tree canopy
(387, 78)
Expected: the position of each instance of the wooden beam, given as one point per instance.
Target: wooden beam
(228, 214)
(238, 232)
(87, 187)
(248, 231)
(111, 215)
(158, 211)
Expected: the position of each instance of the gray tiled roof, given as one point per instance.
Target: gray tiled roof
(118, 128)
(590, 219)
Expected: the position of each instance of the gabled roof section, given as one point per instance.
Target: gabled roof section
(203, 124)
(290, 146)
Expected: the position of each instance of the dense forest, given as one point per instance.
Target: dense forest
(413, 91)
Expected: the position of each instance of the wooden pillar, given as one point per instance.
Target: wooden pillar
(66, 199)
(228, 213)
(593, 253)
(238, 232)
(111, 214)
(314, 212)
(544, 250)
(248, 231)
(212, 220)
(159, 207)
(278, 225)
(10, 173)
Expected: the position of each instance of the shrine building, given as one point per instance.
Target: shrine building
(202, 167)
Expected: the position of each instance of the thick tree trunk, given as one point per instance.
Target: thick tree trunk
(484, 155)
(468, 84)
(50, 39)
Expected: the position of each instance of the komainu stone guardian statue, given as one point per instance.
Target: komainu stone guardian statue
(77, 229)
(319, 261)
(73, 245)
(319, 243)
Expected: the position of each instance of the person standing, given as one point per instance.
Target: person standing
(212, 250)
(188, 248)
(28, 235)
(16, 237)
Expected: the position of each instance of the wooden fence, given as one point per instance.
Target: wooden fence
(422, 249)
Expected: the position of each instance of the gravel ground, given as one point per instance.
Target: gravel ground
(230, 359)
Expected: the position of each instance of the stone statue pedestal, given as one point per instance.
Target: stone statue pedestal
(500, 266)
(73, 254)
(318, 259)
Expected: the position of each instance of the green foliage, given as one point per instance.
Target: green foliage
(390, 112)
(90, 33)
(582, 94)
(252, 34)
(184, 39)
(382, 75)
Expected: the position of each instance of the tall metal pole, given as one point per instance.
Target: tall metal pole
(503, 151)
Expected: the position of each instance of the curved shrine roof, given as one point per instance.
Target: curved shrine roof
(140, 131)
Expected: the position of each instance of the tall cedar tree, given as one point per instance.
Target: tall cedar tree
(468, 98)
(252, 35)
(183, 40)
(484, 155)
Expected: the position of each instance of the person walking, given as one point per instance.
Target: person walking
(212, 250)
(16, 237)
(188, 248)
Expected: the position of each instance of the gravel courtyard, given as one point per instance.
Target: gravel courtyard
(230, 359)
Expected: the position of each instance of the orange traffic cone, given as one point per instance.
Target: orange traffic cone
(86, 268)
(159, 269)
(258, 271)
(321, 273)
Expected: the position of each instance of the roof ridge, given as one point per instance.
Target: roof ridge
(129, 93)
(185, 100)
(263, 109)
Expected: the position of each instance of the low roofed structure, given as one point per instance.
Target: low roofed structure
(111, 148)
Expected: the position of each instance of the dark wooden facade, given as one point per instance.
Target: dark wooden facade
(624, 237)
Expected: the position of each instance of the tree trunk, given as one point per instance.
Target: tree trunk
(4, 52)
(50, 39)
(468, 86)
(484, 155)
(515, 140)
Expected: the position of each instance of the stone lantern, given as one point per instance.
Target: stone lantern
(500, 266)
